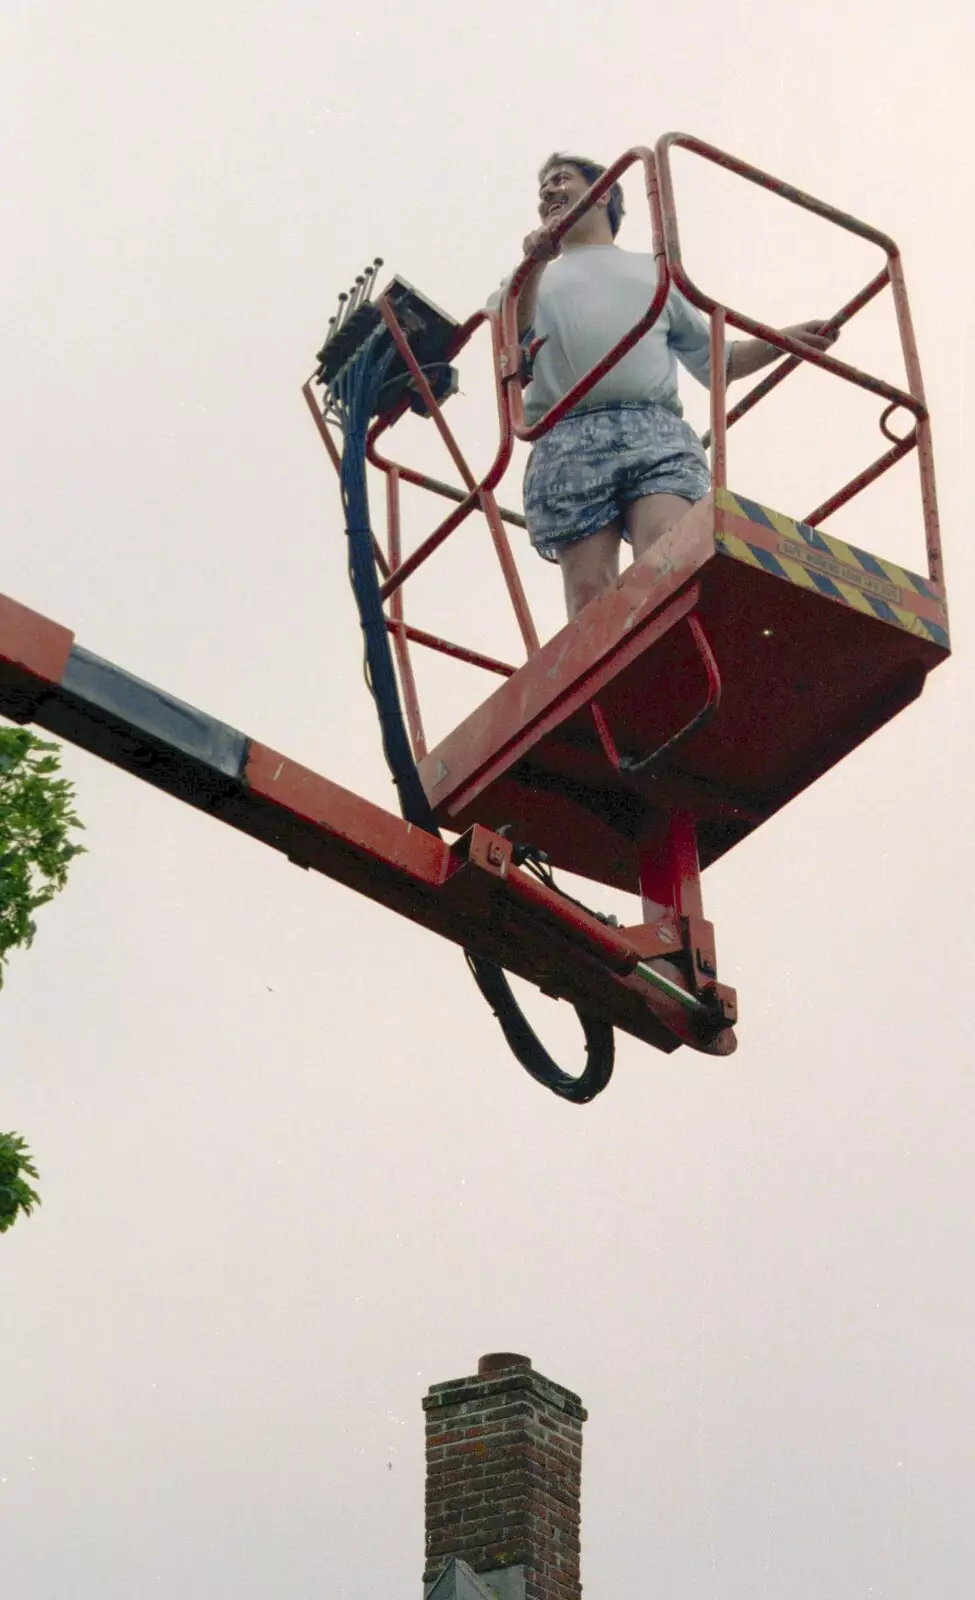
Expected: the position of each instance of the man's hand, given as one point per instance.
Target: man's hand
(541, 249)
(540, 245)
(751, 355)
(819, 334)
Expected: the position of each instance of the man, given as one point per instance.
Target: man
(623, 464)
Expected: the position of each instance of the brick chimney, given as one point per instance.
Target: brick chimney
(504, 1458)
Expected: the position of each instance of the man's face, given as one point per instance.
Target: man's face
(561, 186)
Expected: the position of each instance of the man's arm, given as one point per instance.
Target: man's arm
(751, 355)
(539, 246)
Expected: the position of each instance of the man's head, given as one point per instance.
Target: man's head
(564, 179)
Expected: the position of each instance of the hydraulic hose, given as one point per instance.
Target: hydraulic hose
(354, 395)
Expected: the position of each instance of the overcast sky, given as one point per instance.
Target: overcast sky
(290, 1174)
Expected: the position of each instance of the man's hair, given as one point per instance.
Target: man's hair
(591, 170)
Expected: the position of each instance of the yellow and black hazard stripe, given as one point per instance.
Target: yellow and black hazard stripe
(818, 561)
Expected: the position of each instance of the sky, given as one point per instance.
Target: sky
(290, 1175)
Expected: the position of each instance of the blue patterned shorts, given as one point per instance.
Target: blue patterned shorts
(583, 473)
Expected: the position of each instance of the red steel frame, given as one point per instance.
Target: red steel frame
(508, 354)
(669, 868)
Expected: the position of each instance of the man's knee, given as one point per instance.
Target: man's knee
(578, 595)
(581, 587)
(589, 566)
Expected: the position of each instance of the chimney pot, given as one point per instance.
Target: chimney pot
(500, 1362)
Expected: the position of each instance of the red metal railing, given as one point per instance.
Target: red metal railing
(911, 400)
(478, 494)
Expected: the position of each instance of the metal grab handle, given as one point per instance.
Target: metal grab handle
(792, 363)
(633, 764)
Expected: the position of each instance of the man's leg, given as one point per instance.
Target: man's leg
(650, 517)
(591, 565)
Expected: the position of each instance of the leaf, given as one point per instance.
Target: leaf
(16, 1166)
(37, 817)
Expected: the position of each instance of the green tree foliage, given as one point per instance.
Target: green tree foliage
(16, 1194)
(36, 818)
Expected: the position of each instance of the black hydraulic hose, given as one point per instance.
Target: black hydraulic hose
(380, 672)
(355, 394)
(527, 1048)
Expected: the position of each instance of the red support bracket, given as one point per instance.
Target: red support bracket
(676, 937)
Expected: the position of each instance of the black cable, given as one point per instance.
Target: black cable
(527, 1048)
(353, 397)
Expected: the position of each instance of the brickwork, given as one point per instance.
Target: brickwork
(504, 1461)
